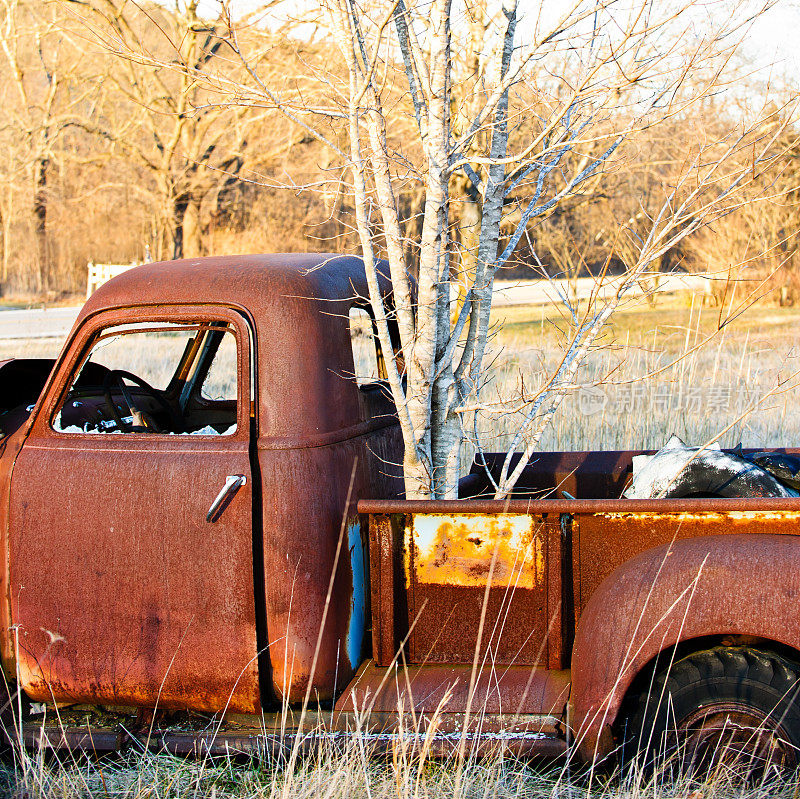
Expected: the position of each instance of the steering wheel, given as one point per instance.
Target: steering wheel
(118, 377)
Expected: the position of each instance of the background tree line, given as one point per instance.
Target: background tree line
(107, 155)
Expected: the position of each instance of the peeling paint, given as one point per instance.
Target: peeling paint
(458, 550)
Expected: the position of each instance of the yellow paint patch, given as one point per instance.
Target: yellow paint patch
(458, 550)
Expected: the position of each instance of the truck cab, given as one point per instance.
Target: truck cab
(173, 497)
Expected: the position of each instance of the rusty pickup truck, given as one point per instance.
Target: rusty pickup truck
(206, 548)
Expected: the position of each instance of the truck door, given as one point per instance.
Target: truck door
(131, 518)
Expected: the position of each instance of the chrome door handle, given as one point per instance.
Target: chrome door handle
(233, 482)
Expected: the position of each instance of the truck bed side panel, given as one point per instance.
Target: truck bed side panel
(441, 582)
(719, 585)
(609, 539)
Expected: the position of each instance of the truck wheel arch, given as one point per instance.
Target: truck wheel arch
(673, 598)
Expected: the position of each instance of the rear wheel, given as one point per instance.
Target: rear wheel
(735, 707)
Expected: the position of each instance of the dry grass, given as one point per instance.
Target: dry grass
(694, 393)
(344, 772)
(30, 348)
(706, 390)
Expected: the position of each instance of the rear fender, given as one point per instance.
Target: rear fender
(705, 586)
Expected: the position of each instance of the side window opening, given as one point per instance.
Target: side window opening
(368, 363)
(220, 381)
(167, 378)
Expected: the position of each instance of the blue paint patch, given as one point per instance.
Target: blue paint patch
(358, 602)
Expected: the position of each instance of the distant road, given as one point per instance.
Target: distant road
(28, 323)
(550, 292)
(31, 323)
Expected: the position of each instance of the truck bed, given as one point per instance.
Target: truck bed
(431, 561)
(505, 584)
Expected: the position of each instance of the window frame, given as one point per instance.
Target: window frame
(79, 349)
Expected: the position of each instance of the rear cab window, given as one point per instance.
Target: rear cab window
(368, 363)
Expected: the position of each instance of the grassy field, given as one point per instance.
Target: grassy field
(657, 376)
(745, 376)
(696, 393)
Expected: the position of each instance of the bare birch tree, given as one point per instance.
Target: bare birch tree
(627, 73)
(495, 139)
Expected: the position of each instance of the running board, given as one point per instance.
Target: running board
(275, 734)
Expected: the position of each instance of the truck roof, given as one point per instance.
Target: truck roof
(245, 280)
(297, 305)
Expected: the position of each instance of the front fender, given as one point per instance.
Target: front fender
(711, 585)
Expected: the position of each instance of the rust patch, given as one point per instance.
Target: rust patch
(457, 550)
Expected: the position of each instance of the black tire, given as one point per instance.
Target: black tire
(731, 706)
